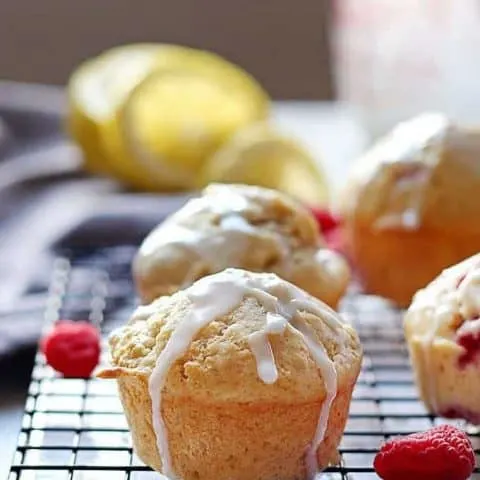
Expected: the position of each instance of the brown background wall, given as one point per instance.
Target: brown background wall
(282, 42)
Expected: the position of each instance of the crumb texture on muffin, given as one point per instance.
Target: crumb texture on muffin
(442, 328)
(240, 226)
(238, 343)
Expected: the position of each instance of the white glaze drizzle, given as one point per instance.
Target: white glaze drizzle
(414, 153)
(217, 295)
(405, 200)
(275, 324)
(262, 350)
(412, 146)
(218, 249)
(329, 376)
(223, 244)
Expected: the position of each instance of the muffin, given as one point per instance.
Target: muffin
(249, 377)
(411, 206)
(240, 226)
(442, 328)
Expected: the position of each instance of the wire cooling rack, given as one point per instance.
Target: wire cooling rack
(75, 429)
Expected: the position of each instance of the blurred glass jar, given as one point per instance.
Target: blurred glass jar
(394, 59)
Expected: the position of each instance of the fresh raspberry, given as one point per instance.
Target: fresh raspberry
(329, 225)
(470, 341)
(441, 453)
(327, 221)
(72, 348)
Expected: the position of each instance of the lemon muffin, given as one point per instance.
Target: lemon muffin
(240, 226)
(442, 328)
(411, 206)
(240, 376)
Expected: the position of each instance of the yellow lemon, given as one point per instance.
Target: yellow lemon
(94, 91)
(155, 112)
(259, 155)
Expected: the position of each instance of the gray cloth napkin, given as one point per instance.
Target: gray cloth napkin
(57, 215)
(48, 205)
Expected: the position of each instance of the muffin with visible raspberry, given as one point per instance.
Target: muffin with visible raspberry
(442, 328)
(240, 226)
(411, 206)
(240, 376)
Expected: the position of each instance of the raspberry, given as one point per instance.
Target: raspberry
(470, 341)
(327, 221)
(329, 224)
(441, 453)
(72, 348)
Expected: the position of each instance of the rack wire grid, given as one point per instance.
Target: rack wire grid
(75, 429)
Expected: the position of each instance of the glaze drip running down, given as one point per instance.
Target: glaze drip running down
(221, 249)
(401, 164)
(217, 295)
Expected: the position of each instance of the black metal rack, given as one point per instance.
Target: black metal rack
(75, 429)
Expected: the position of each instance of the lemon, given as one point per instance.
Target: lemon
(82, 126)
(259, 155)
(151, 114)
(95, 90)
(179, 115)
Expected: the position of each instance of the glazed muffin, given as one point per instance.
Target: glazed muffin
(241, 375)
(411, 206)
(442, 327)
(240, 226)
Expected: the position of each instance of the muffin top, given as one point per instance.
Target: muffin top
(449, 308)
(425, 173)
(238, 336)
(248, 227)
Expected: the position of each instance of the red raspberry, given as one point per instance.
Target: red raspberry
(470, 341)
(72, 348)
(329, 225)
(327, 221)
(441, 453)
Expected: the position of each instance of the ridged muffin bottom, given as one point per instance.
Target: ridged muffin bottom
(232, 441)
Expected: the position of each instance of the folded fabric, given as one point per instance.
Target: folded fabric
(47, 207)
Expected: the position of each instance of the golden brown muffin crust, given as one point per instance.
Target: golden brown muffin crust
(219, 363)
(199, 404)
